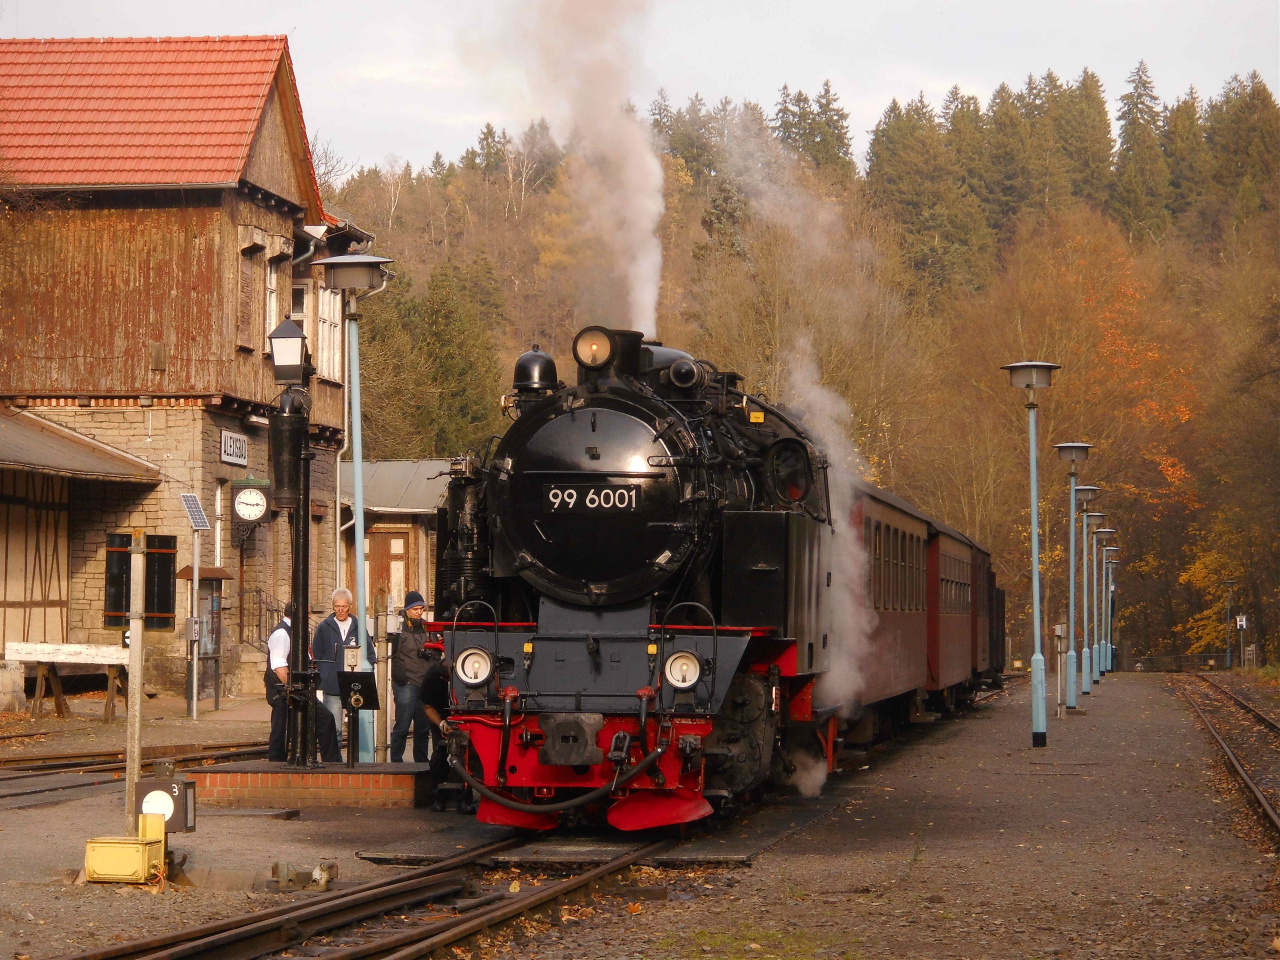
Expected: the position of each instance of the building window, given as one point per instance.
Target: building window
(245, 299)
(160, 576)
(329, 349)
(271, 308)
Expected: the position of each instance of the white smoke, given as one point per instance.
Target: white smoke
(810, 774)
(850, 620)
(577, 66)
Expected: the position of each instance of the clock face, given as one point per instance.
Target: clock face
(250, 504)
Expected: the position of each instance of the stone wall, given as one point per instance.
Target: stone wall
(184, 440)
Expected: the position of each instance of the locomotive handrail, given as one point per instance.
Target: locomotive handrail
(715, 641)
(598, 794)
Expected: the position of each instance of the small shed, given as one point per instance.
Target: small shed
(400, 502)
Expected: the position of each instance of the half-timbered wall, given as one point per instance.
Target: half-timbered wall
(33, 557)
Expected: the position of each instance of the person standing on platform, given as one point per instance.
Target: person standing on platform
(436, 702)
(335, 632)
(408, 668)
(276, 677)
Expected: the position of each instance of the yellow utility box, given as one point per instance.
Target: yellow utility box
(127, 859)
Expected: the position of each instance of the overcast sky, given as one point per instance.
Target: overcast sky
(410, 77)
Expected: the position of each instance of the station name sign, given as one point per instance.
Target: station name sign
(235, 449)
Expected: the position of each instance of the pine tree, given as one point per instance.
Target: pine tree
(437, 168)
(784, 123)
(1185, 151)
(962, 117)
(693, 139)
(1242, 131)
(489, 147)
(1139, 196)
(1006, 175)
(1048, 169)
(913, 174)
(831, 146)
(661, 116)
(1084, 129)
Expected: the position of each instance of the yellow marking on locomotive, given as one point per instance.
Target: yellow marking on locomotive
(757, 416)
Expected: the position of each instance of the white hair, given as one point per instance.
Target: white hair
(342, 593)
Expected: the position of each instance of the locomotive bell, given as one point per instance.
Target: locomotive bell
(535, 370)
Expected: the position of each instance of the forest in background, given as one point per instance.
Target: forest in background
(1142, 256)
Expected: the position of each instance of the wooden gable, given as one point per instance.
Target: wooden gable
(279, 159)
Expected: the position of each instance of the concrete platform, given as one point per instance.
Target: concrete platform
(261, 783)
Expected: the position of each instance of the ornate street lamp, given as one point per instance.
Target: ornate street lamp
(357, 276)
(289, 425)
(1100, 536)
(1073, 453)
(1033, 375)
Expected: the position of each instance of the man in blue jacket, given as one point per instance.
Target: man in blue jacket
(335, 634)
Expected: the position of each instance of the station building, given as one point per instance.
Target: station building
(161, 218)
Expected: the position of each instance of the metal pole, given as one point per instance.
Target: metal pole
(1111, 608)
(193, 642)
(133, 710)
(1039, 720)
(1086, 656)
(357, 496)
(302, 696)
(1230, 597)
(1071, 602)
(1097, 611)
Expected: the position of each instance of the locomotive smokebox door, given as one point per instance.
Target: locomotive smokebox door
(175, 800)
(571, 739)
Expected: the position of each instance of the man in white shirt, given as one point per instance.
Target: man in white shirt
(275, 678)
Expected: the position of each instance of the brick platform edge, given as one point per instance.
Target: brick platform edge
(260, 783)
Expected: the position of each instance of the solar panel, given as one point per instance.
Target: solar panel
(195, 512)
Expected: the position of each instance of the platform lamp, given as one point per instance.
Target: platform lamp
(1092, 519)
(288, 428)
(1085, 494)
(1231, 588)
(1100, 537)
(1033, 375)
(1073, 453)
(357, 276)
(1109, 561)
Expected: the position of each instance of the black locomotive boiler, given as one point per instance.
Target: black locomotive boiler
(636, 590)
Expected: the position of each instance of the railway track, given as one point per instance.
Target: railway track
(29, 780)
(1251, 761)
(402, 918)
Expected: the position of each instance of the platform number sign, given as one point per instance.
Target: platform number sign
(195, 512)
(1242, 622)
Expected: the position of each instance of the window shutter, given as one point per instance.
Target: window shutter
(244, 318)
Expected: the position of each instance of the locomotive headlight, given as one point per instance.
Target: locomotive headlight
(593, 347)
(682, 669)
(475, 666)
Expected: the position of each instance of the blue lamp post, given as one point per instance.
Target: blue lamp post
(1073, 453)
(1109, 559)
(1033, 375)
(357, 276)
(1089, 654)
(1100, 538)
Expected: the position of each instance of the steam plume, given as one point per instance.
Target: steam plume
(578, 70)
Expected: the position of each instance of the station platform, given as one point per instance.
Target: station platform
(262, 783)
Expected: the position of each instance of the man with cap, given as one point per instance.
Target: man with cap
(409, 663)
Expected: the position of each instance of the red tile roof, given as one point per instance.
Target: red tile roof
(153, 111)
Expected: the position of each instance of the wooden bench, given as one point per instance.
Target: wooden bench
(47, 656)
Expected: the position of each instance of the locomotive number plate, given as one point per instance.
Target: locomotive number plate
(586, 498)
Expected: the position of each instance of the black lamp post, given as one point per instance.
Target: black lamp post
(291, 490)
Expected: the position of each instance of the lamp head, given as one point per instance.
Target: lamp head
(1031, 374)
(1073, 452)
(1086, 493)
(354, 271)
(289, 352)
(1106, 533)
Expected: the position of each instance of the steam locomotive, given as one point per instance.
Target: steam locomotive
(640, 591)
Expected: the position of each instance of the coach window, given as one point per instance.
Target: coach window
(903, 572)
(915, 569)
(875, 567)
